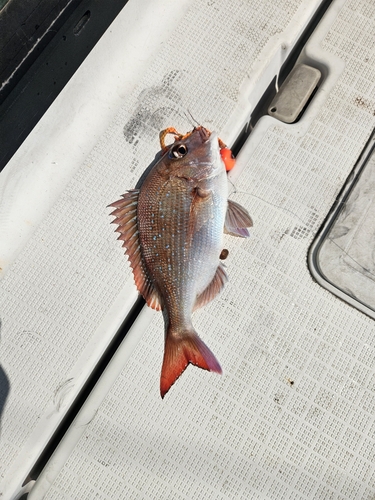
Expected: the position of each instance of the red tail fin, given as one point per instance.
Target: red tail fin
(181, 350)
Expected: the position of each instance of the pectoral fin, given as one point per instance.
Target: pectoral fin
(237, 220)
(126, 218)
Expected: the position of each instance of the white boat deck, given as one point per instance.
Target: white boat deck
(293, 415)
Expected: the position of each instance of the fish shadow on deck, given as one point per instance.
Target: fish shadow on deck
(4, 388)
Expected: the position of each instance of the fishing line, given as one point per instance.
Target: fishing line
(192, 117)
(367, 271)
(266, 201)
(172, 111)
(185, 115)
(350, 257)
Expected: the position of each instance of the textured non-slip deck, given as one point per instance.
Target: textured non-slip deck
(66, 293)
(292, 416)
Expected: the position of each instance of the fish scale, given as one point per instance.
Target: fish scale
(158, 257)
(172, 228)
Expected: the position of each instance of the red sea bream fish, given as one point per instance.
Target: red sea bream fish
(172, 228)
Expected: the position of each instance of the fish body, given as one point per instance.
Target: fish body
(172, 228)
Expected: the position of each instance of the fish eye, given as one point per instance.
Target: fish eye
(178, 151)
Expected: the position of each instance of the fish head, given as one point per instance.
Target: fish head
(196, 156)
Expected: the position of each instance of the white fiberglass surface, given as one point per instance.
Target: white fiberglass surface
(66, 284)
(292, 416)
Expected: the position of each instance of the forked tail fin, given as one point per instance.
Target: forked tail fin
(179, 351)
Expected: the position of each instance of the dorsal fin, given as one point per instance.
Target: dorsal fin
(237, 219)
(213, 289)
(126, 218)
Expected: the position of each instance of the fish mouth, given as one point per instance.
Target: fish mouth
(214, 137)
(204, 134)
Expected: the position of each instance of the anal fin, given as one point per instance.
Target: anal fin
(213, 289)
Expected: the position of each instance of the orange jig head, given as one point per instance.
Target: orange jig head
(228, 158)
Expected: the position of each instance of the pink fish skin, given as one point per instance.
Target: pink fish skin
(172, 228)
